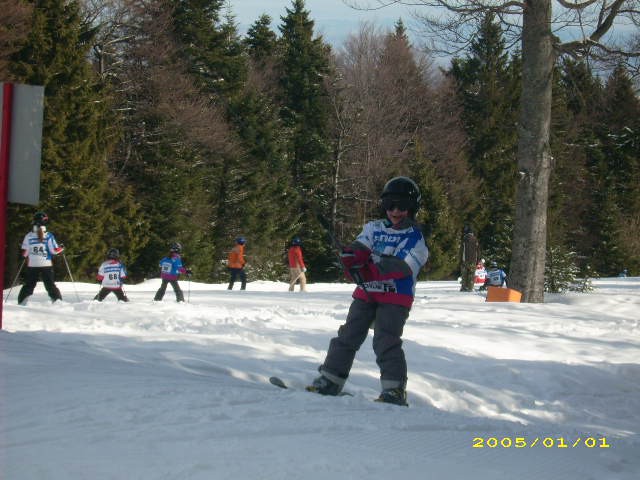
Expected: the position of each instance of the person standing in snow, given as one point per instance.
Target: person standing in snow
(495, 276)
(170, 269)
(235, 264)
(111, 275)
(297, 267)
(469, 256)
(480, 275)
(38, 248)
(384, 260)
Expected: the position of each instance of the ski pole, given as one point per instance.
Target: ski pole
(70, 276)
(15, 280)
(95, 297)
(124, 293)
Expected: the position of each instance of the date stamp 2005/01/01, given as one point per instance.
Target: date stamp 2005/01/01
(540, 442)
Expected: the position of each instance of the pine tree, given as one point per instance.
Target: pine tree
(560, 270)
(77, 190)
(304, 66)
(177, 136)
(487, 84)
(621, 116)
(15, 27)
(209, 45)
(261, 42)
(263, 184)
(438, 220)
(572, 200)
(234, 65)
(619, 136)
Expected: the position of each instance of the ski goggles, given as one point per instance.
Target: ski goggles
(402, 204)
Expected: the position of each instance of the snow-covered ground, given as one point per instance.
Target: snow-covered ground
(163, 390)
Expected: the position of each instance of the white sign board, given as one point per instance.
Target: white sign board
(25, 146)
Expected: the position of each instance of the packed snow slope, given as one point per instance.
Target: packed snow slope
(163, 390)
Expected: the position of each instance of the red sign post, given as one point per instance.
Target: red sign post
(5, 140)
(21, 118)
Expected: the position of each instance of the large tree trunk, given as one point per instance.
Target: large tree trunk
(534, 156)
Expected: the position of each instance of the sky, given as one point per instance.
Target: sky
(333, 18)
(166, 391)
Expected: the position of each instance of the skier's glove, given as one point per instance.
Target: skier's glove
(385, 267)
(370, 273)
(351, 258)
(189, 272)
(59, 250)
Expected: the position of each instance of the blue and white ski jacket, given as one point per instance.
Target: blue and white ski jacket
(40, 252)
(389, 246)
(496, 277)
(171, 267)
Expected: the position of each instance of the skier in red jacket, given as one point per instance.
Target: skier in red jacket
(297, 267)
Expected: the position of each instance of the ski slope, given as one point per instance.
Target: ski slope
(163, 390)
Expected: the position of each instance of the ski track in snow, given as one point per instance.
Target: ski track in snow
(165, 391)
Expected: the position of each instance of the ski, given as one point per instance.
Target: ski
(278, 382)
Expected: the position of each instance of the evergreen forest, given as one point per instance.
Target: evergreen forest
(162, 124)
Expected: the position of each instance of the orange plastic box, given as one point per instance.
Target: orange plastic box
(498, 294)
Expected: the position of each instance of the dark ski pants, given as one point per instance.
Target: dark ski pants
(235, 272)
(388, 323)
(118, 292)
(163, 288)
(31, 277)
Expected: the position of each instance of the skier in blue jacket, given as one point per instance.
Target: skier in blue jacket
(170, 269)
(384, 260)
(495, 276)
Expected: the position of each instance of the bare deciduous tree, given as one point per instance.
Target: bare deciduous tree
(136, 50)
(377, 116)
(579, 28)
(391, 110)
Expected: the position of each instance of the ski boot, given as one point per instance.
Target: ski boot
(396, 396)
(324, 386)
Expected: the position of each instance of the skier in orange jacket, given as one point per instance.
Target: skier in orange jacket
(236, 264)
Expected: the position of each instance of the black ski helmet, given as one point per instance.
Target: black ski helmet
(403, 188)
(296, 241)
(241, 240)
(40, 219)
(175, 247)
(113, 254)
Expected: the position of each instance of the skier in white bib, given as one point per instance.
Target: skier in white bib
(111, 275)
(39, 247)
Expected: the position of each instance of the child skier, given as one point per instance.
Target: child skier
(495, 276)
(384, 260)
(38, 248)
(235, 263)
(111, 275)
(297, 267)
(170, 269)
